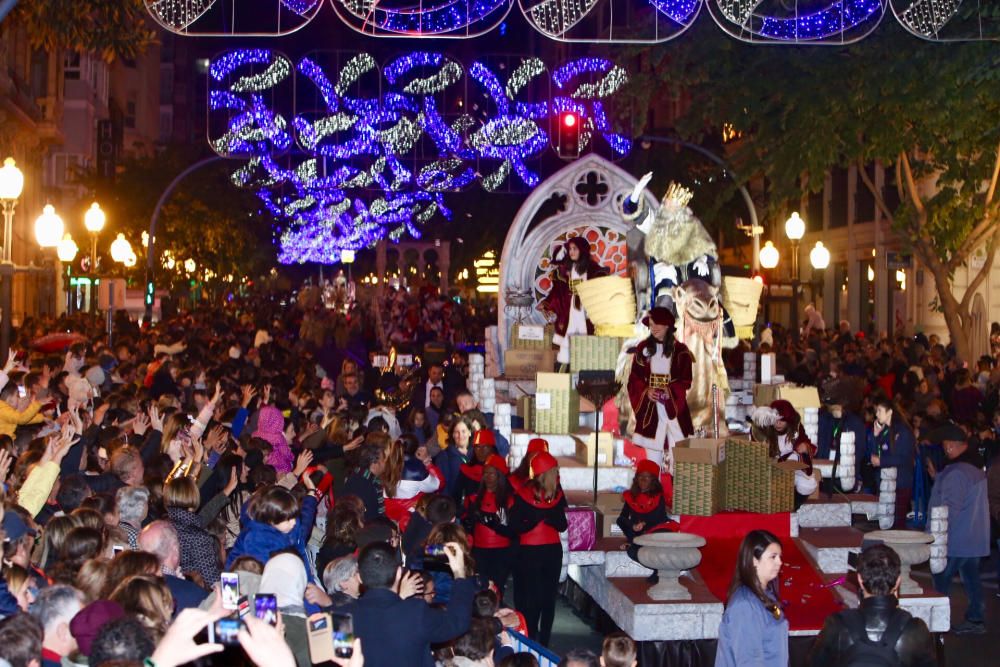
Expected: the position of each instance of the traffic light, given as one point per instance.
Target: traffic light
(567, 134)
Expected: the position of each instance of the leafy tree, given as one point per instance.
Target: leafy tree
(112, 28)
(206, 219)
(928, 111)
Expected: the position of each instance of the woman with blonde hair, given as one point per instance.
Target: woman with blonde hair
(92, 578)
(538, 516)
(128, 564)
(147, 598)
(20, 585)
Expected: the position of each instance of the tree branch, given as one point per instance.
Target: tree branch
(879, 200)
(991, 250)
(911, 186)
(899, 181)
(993, 181)
(973, 239)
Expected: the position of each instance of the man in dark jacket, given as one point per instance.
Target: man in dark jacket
(879, 625)
(365, 483)
(399, 633)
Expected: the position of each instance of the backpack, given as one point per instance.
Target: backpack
(866, 653)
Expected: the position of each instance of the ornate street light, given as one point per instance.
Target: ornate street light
(819, 256)
(121, 249)
(769, 256)
(67, 249)
(11, 185)
(49, 228)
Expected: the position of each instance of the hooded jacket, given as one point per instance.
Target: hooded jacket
(260, 540)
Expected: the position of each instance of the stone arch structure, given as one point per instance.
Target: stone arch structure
(583, 198)
(419, 254)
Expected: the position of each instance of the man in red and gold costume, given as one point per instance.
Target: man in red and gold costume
(657, 389)
(574, 266)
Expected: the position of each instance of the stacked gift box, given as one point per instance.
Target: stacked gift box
(755, 483)
(698, 476)
(531, 337)
(594, 353)
(557, 405)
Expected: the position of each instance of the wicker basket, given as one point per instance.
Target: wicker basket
(698, 488)
(608, 300)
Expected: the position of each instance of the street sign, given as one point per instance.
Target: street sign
(898, 260)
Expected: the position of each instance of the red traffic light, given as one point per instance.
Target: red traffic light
(569, 119)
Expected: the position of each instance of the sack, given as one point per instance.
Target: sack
(866, 653)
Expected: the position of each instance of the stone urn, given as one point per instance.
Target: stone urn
(913, 548)
(669, 554)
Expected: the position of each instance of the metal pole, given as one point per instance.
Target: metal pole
(7, 277)
(111, 309)
(93, 272)
(795, 288)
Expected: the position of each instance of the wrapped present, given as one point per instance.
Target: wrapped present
(755, 483)
(594, 353)
(531, 337)
(701, 450)
(609, 522)
(698, 488)
(525, 364)
(581, 528)
(557, 405)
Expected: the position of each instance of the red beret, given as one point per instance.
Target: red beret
(497, 461)
(646, 465)
(542, 463)
(484, 437)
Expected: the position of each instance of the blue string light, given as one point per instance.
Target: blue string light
(358, 179)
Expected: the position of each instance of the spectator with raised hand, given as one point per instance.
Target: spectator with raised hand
(38, 485)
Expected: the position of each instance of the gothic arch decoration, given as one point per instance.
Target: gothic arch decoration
(582, 199)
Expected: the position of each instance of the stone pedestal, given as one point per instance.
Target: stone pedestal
(913, 548)
(670, 554)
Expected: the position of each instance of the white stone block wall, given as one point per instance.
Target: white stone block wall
(939, 548)
(887, 498)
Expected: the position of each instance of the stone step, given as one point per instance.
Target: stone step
(825, 513)
(829, 547)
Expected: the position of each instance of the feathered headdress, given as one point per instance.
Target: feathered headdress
(764, 416)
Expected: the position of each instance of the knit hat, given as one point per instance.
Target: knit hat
(659, 315)
(947, 432)
(537, 445)
(87, 623)
(648, 466)
(497, 461)
(542, 463)
(484, 438)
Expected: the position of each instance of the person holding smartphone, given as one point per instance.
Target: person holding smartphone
(400, 632)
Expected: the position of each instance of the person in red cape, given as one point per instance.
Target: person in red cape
(537, 517)
(574, 265)
(486, 518)
(522, 473)
(645, 509)
(406, 478)
(657, 389)
(470, 474)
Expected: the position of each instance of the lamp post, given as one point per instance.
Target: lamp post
(94, 220)
(121, 252)
(819, 257)
(768, 257)
(795, 229)
(49, 230)
(11, 184)
(66, 251)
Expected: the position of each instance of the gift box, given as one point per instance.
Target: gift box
(755, 483)
(600, 443)
(557, 405)
(700, 450)
(594, 353)
(525, 364)
(608, 519)
(581, 528)
(526, 409)
(531, 337)
(801, 398)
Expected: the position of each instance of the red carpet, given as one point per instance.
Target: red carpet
(806, 601)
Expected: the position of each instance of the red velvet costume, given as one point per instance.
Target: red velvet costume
(559, 297)
(674, 397)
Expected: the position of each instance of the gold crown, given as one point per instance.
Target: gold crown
(678, 194)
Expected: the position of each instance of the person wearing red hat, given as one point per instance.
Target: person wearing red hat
(486, 518)
(657, 389)
(522, 473)
(645, 509)
(470, 474)
(537, 517)
(780, 426)
(574, 265)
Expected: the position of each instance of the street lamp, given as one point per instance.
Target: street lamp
(121, 252)
(66, 251)
(93, 220)
(769, 256)
(49, 228)
(795, 229)
(11, 184)
(819, 257)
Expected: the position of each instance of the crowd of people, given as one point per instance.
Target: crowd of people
(256, 453)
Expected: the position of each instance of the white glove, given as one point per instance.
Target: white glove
(662, 272)
(640, 186)
(701, 266)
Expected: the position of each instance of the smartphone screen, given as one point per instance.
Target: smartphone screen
(343, 635)
(243, 607)
(265, 607)
(224, 631)
(230, 590)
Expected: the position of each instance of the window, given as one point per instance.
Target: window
(71, 66)
(166, 124)
(130, 114)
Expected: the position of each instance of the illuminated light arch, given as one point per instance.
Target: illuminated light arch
(233, 18)
(836, 22)
(432, 18)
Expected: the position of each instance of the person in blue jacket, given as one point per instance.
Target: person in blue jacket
(754, 629)
(891, 445)
(274, 521)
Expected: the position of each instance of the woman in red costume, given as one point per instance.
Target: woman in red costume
(471, 474)
(657, 389)
(522, 473)
(538, 516)
(575, 265)
(486, 518)
(645, 508)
